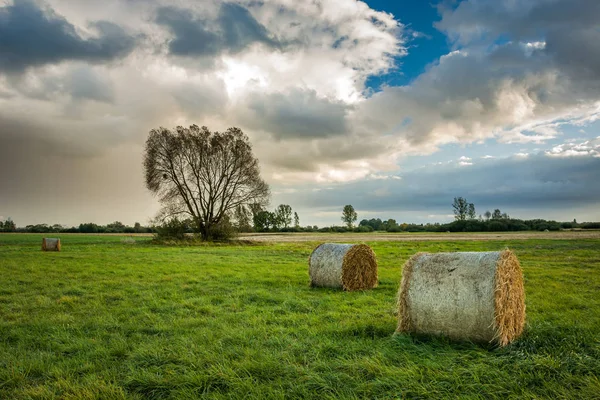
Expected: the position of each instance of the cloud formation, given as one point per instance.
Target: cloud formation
(527, 187)
(513, 90)
(293, 76)
(232, 30)
(32, 36)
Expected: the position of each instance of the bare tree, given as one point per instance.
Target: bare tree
(202, 175)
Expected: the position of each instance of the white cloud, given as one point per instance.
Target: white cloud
(383, 177)
(585, 148)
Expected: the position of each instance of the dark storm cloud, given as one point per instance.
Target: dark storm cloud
(577, 50)
(476, 20)
(233, 30)
(297, 113)
(526, 183)
(32, 36)
(570, 28)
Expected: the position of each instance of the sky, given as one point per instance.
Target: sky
(395, 107)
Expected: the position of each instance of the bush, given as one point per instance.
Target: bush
(223, 231)
(590, 225)
(517, 226)
(497, 226)
(291, 229)
(339, 229)
(363, 229)
(172, 229)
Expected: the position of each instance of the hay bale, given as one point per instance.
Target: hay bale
(477, 296)
(346, 266)
(50, 244)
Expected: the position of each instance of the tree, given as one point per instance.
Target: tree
(263, 221)
(242, 219)
(202, 175)
(116, 227)
(461, 208)
(349, 216)
(487, 215)
(8, 226)
(496, 214)
(255, 208)
(471, 211)
(283, 214)
(296, 220)
(90, 227)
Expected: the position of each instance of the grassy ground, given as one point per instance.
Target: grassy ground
(108, 319)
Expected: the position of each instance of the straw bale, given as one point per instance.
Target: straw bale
(477, 296)
(50, 244)
(345, 266)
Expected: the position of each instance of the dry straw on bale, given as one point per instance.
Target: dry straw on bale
(346, 266)
(50, 244)
(477, 296)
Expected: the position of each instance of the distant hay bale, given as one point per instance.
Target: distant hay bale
(346, 266)
(477, 296)
(50, 244)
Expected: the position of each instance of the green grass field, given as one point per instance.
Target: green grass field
(107, 319)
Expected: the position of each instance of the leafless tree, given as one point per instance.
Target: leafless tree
(202, 175)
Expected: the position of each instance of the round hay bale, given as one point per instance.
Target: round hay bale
(346, 266)
(477, 296)
(50, 244)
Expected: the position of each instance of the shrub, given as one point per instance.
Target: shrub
(222, 231)
(591, 225)
(339, 229)
(172, 229)
(497, 226)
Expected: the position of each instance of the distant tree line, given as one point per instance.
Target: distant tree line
(256, 218)
(8, 226)
(90, 227)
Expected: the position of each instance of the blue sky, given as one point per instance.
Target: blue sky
(426, 44)
(394, 107)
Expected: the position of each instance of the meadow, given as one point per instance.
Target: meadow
(111, 317)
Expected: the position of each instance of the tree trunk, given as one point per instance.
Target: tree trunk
(205, 232)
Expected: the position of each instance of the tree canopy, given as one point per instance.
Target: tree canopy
(349, 216)
(463, 209)
(202, 175)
